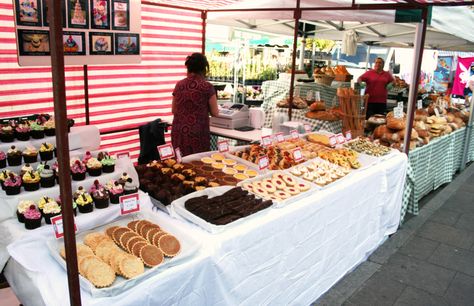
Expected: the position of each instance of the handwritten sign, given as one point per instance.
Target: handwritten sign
(307, 128)
(223, 146)
(297, 155)
(398, 112)
(332, 140)
(166, 151)
(123, 155)
(279, 137)
(419, 104)
(400, 105)
(266, 140)
(437, 112)
(340, 139)
(57, 222)
(129, 203)
(263, 162)
(294, 134)
(348, 135)
(179, 156)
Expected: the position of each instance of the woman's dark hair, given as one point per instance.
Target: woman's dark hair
(197, 63)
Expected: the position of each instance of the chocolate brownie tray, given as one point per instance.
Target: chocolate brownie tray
(122, 254)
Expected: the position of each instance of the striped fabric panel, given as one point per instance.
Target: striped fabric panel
(198, 4)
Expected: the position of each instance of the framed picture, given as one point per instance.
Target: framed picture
(28, 12)
(78, 14)
(74, 43)
(45, 13)
(100, 14)
(126, 44)
(101, 43)
(33, 42)
(121, 15)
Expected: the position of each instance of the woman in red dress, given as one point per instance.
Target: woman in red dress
(194, 99)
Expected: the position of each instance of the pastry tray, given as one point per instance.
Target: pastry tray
(283, 203)
(178, 209)
(239, 160)
(375, 159)
(156, 203)
(189, 247)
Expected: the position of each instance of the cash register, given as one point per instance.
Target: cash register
(231, 116)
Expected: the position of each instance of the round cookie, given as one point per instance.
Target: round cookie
(119, 232)
(131, 267)
(269, 187)
(157, 236)
(132, 242)
(125, 238)
(279, 184)
(169, 245)
(131, 225)
(110, 230)
(93, 239)
(137, 247)
(100, 274)
(151, 255)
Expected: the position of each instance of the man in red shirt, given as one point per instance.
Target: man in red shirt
(377, 80)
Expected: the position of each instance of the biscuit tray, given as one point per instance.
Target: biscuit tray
(198, 156)
(283, 203)
(189, 248)
(179, 210)
(376, 159)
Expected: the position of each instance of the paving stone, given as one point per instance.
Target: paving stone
(446, 234)
(461, 290)
(467, 188)
(445, 216)
(417, 273)
(466, 222)
(454, 258)
(419, 248)
(461, 201)
(415, 297)
(378, 290)
(391, 245)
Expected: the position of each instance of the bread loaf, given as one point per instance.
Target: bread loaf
(396, 123)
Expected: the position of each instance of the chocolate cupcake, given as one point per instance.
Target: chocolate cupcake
(46, 151)
(3, 160)
(7, 133)
(22, 132)
(32, 218)
(115, 191)
(47, 176)
(31, 180)
(12, 184)
(84, 203)
(50, 210)
(30, 155)
(101, 198)
(13, 156)
(78, 170)
(21, 209)
(130, 187)
(37, 130)
(49, 127)
(94, 167)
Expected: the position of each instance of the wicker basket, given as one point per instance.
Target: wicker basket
(323, 79)
(354, 108)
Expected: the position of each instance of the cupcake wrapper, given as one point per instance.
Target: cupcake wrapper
(3, 163)
(32, 223)
(14, 160)
(12, 190)
(30, 158)
(23, 136)
(130, 191)
(50, 132)
(21, 217)
(115, 198)
(101, 203)
(37, 134)
(78, 176)
(94, 172)
(31, 186)
(7, 137)
(48, 182)
(85, 209)
(47, 155)
(47, 217)
(108, 168)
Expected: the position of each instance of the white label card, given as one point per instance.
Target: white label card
(419, 104)
(400, 105)
(57, 222)
(398, 112)
(332, 140)
(179, 156)
(436, 112)
(294, 134)
(129, 203)
(122, 155)
(263, 162)
(223, 146)
(266, 140)
(279, 137)
(340, 138)
(166, 151)
(297, 155)
(307, 128)
(348, 135)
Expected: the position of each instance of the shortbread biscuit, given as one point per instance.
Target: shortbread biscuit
(93, 239)
(100, 274)
(131, 267)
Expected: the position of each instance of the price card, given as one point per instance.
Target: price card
(419, 104)
(307, 128)
(223, 146)
(297, 155)
(279, 137)
(294, 134)
(398, 112)
(332, 140)
(400, 105)
(129, 203)
(179, 156)
(266, 140)
(123, 155)
(436, 112)
(348, 135)
(263, 162)
(57, 222)
(340, 139)
(166, 151)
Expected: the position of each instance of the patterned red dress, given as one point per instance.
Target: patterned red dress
(190, 131)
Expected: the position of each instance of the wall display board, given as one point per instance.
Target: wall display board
(94, 32)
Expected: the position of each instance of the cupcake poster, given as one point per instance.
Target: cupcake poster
(33, 42)
(28, 12)
(78, 16)
(126, 44)
(46, 10)
(121, 15)
(100, 14)
(101, 43)
(74, 43)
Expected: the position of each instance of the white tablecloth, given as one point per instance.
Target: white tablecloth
(285, 256)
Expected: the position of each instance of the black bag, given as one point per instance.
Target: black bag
(152, 135)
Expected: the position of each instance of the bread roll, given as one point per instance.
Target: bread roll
(396, 123)
(379, 131)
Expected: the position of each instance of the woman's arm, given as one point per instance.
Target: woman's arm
(173, 106)
(213, 106)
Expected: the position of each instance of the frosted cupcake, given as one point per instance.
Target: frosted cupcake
(3, 159)
(32, 218)
(101, 198)
(22, 132)
(130, 187)
(46, 151)
(43, 201)
(30, 155)
(79, 191)
(3, 176)
(12, 184)
(13, 156)
(26, 168)
(84, 203)
(49, 127)
(37, 130)
(108, 162)
(7, 133)
(95, 186)
(78, 170)
(50, 210)
(21, 208)
(31, 180)
(94, 167)
(115, 191)
(86, 157)
(47, 176)
(123, 179)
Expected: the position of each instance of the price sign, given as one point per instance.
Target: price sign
(348, 135)
(223, 146)
(129, 203)
(332, 140)
(294, 134)
(436, 112)
(400, 105)
(57, 222)
(279, 137)
(340, 139)
(307, 128)
(123, 155)
(297, 155)
(179, 156)
(263, 162)
(419, 104)
(398, 112)
(266, 140)
(166, 151)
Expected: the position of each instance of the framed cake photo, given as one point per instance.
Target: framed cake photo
(28, 12)
(100, 14)
(101, 43)
(121, 15)
(45, 13)
(74, 43)
(33, 42)
(127, 44)
(78, 14)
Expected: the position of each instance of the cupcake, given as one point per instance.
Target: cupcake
(49, 127)
(130, 187)
(32, 218)
(37, 130)
(115, 190)
(12, 184)
(3, 176)
(78, 170)
(46, 151)
(123, 179)
(50, 210)
(86, 157)
(84, 203)
(3, 159)
(22, 132)
(25, 168)
(31, 180)
(101, 198)
(7, 133)
(14, 156)
(22, 207)
(47, 177)
(94, 167)
(55, 168)
(43, 201)
(30, 155)
(79, 192)
(95, 186)
(107, 161)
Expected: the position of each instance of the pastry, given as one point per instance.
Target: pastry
(100, 274)
(218, 157)
(240, 167)
(230, 171)
(207, 160)
(251, 173)
(229, 162)
(241, 176)
(218, 165)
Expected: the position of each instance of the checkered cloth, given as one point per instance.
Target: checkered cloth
(470, 155)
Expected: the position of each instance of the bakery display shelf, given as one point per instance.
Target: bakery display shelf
(189, 247)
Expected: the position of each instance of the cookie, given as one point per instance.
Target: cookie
(303, 187)
(145, 229)
(84, 263)
(132, 241)
(119, 232)
(115, 261)
(169, 245)
(100, 274)
(152, 233)
(131, 225)
(110, 230)
(131, 267)
(125, 237)
(151, 255)
(268, 186)
(93, 239)
(139, 225)
(81, 250)
(137, 247)
(104, 250)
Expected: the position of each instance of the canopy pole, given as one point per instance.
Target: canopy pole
(62, 143)
(297, 16)
(415, 76)
(467, 140)
(203, 44)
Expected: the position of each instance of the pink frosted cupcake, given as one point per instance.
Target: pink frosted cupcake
(12, 184)
(86, 157)
(3, 159)
(78, 170)
(32, 218)
(115, 191)
(95, 186)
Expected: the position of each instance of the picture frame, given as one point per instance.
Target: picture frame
(78, 14)
(101, 43)
(33, 42)
(127, 44)
(74, 43)
(45, 13)
(28, 12)
(100, 14)
(121, 15)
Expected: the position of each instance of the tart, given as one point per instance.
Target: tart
(169, 245)
(229, 162)
(240, 167)
(230, 171)
(207, 160)
(269, 187)
(218, 165)
(279, 184)
(251, 173)
(151, 255)
(218, 157)
(241, 176)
